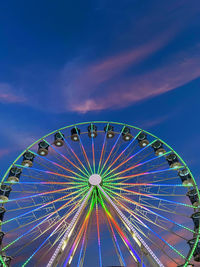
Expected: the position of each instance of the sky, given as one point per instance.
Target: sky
(131, 61)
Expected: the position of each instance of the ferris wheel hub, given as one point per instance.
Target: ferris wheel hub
(95, 179)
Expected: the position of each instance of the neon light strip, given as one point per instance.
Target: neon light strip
(162, 239)
(138, 165)
(140, 174)
(152, 212)
(74, 153)
(83, 150)
(132, 156)
(79, 234)
(63, 206)
(74, 165)
(2, 261)
(114, 236)
(44, 193)
(98, 234)
(112, 150)
(69, 229)
(146, 184)
(93, 154)
(55, 163)
(102, 150)
(149, 196)
(44, 205)
(65, 217)
(128, 224)
(120, 155)
(49, 172)
(84, 236)
(82, 246)
(124, 238)
(46, 183)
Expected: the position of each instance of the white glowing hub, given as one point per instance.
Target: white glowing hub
(95, 179)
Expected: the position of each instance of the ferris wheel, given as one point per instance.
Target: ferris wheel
(99, 194)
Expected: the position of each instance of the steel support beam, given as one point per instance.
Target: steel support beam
(60, 248)
(154, 261)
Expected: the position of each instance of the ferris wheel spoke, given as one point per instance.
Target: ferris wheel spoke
(45, 205)
(154, 243)
(151, 241)
(85, 232)
(152, 197)
(82, 246)
(116, 159)
(78, 238)
(170, 246)
(68, 160)
(102, 149)
(139, 174)
(83, 151)
(136, 165)
(126, 241)
(150, 193)
(114, 238)
(75, 155)
(62, 220)
(46, 218)
(60, 166)
(93, 155)
(43, 183)
(111, 151)
(132, 156)
(53, 173)
(151, 255)
(37, 219)
(156, 214)
(143, 206)
(117, 247)
(162, 239)
(45, 193)
(68, 232)
(74, 246)
(98, 232)
(148, 184)
(63, 198)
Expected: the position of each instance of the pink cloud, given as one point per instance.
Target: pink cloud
(4, 152)
(80, 83)
(7, 94)
(123, 92)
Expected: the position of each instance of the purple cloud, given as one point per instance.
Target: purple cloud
(102, 85)
(9, 95)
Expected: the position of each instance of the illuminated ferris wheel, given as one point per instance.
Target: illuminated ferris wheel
(99, 194)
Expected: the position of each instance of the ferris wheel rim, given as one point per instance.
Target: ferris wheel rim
(122, 124)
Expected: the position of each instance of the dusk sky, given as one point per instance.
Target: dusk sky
(70, 61)
(130, 61)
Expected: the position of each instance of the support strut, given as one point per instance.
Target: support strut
(149, 253)
(60, 248)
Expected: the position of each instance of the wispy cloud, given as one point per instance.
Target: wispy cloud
(102, 85)
(4, 152)
(9, 95)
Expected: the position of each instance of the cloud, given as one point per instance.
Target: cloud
(4, 152)
(8, 94)
(100, 86)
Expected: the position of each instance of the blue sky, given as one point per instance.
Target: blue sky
(131, 61)
(69, 61)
